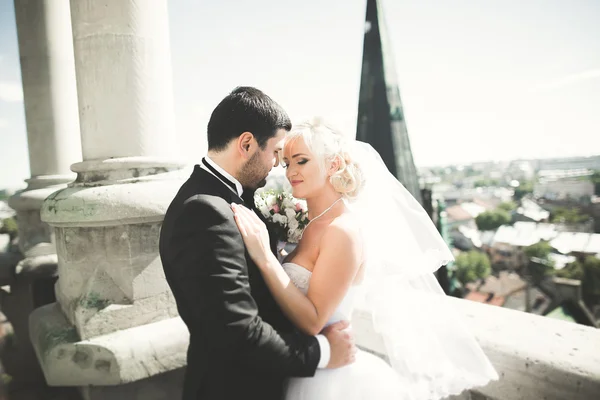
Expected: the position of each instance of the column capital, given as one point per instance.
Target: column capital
(132, 195)
(38, 188)
(122, 170)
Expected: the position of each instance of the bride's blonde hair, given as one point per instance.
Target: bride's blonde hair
(327, 144)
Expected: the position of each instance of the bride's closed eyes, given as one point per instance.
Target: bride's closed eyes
(302, 161)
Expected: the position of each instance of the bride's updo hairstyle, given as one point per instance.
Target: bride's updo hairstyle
(327, 144)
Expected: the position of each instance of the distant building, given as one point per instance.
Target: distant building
(502, 285)
(568, 163)
(567, 302)
(529, 299)
(577, 244)
(580, 190)
(463, 214)
(509, 290)
(530, 211)
(466, 238)
(506, 249)
(561, 260)
(485, 298)
(557, 298)
(489, 197)
(521, 170)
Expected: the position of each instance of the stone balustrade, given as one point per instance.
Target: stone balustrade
(536, 357)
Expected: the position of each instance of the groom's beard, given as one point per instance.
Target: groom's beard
(254, 174)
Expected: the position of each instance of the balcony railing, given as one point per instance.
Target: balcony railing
(536, 357)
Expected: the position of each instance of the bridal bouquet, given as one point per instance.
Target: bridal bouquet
(287, 215)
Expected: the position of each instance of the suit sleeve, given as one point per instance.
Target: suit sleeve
(212, 275)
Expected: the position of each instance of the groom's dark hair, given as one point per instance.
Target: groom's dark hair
(245, 109)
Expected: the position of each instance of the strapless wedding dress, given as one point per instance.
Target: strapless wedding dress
(369, 377)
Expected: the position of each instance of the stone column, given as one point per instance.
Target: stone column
(50, 97)
(50, 100)
(115, 321)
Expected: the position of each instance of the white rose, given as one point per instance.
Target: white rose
(290, 213)
(264, 210)
(294, 236)
(287, 203)
(280, 219)
(270, 200)
(293, 224)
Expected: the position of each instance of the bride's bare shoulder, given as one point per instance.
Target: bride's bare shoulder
(346, 225)
(344, 233)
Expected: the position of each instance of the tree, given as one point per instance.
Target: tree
(9, 225)
(522, 190)
(471, 266)
(539, 265)
(588, 272)
(572, 270)
(541, 250)
(486, 183)
(595, 178)
(507, 206)
(567, 216)
(491, 220)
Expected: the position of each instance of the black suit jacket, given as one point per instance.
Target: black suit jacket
(241, 345)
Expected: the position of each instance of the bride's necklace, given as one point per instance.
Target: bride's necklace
(320, 215)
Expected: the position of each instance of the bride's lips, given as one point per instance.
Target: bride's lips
(294, 183)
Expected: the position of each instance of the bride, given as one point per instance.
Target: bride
(369, 244)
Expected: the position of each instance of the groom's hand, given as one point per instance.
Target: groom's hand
(341, 341)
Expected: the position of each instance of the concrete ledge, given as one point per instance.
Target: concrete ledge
(536, 357)
(134, 202)
(121, 357)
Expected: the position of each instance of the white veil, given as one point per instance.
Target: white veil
(425, 339)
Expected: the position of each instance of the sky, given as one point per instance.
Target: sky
(479, 80)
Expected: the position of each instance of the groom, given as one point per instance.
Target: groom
(241, 345)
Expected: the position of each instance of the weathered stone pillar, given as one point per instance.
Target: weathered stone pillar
(50, 99)
(115, 321)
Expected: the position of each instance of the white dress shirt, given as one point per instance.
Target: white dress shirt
(226, 174)
(323, 342)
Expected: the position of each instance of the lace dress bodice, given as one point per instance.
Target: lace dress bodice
(300, 277)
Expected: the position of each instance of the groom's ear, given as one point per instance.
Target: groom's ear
(244, 144)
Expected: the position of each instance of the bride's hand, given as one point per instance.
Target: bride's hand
(255, 234)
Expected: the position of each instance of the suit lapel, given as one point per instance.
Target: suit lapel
(206, 178)
(226, 193)
(268, 308)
